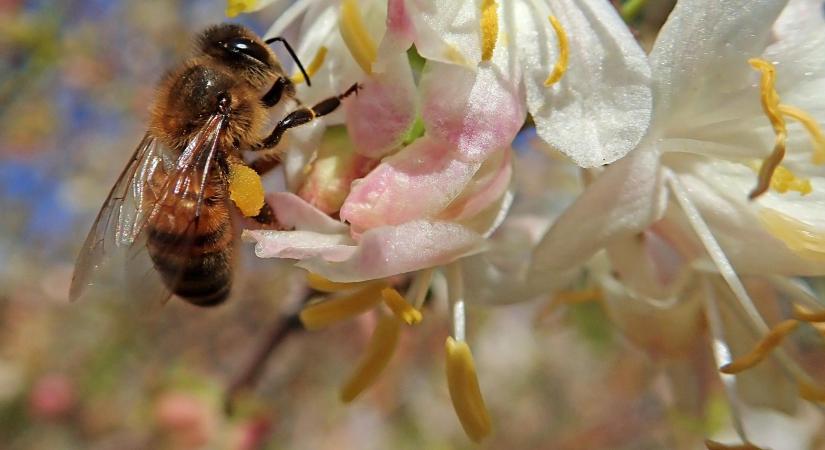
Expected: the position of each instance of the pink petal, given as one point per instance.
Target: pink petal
(294, 212)
(392, 250)
(300, 244)
(416, 183)
(477, 111)
(486, 187)
(385, 109)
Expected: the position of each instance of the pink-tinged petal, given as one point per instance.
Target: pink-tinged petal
(418, 182)
(392, 250)
(294, 212)
(486, 188)
(385, 109)
(300, 244)
(477, 111)
(601, 107)
(624, 200)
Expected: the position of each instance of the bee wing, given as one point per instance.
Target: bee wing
(178, 204)
(120, 230)
(124, 210)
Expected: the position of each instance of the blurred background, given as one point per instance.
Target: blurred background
(76, 77)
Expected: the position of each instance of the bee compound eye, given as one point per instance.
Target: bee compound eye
(248, 47)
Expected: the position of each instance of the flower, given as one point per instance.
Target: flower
(705, 150)
(421, 178)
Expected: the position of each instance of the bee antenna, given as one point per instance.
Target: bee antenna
(292, 54)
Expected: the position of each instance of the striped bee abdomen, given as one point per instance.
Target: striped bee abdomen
(194, 257)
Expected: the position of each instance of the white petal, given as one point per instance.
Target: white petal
(601, 107)
(700, 58)
(623, 200)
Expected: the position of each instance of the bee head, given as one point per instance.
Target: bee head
(241, 50)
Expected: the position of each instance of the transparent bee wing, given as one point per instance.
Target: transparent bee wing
(155, 186)
(115, 227)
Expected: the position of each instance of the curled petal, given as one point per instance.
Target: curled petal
(476, 111)
(442, 31)
(380, 253)
(378, 119)
(416, 183)
(486, 187)
(294, 212)
(388, 251)
(601, 108)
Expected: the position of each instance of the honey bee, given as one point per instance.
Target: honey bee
(168, 217)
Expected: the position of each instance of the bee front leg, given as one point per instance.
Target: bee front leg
(304, 115)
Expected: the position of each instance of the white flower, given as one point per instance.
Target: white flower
(675, 215)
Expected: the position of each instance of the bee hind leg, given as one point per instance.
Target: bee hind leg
(304, 115)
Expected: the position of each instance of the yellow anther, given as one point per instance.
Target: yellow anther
(235, 7)
(783, 180)
(465, 392)
(713, 445)
(327, 312)
(797, 235)
(399, 306)
(817, 137)
(770, 105)
(379, 351)
(313, 66)
(762, 349)
(564, 54)
(246, 189)
(489, 28)
(320, 283)
(810, 392)
(805, 315)
(355, 35)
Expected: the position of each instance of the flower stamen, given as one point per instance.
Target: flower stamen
(770, 105)
(762, 349)
(489, 28)
(313, 66)
(804, 315)
(817, 137)
(355, 35)
(246, 189)
(465, 392)
(321, 284)
(810, 392)
(400, 307)
(770, 173)
(379, 351)
(564, 54)
(327, 312)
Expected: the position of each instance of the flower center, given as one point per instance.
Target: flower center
(313, 67)
(489, 28)
(776, 113)
(564, 54)
(355, 35)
